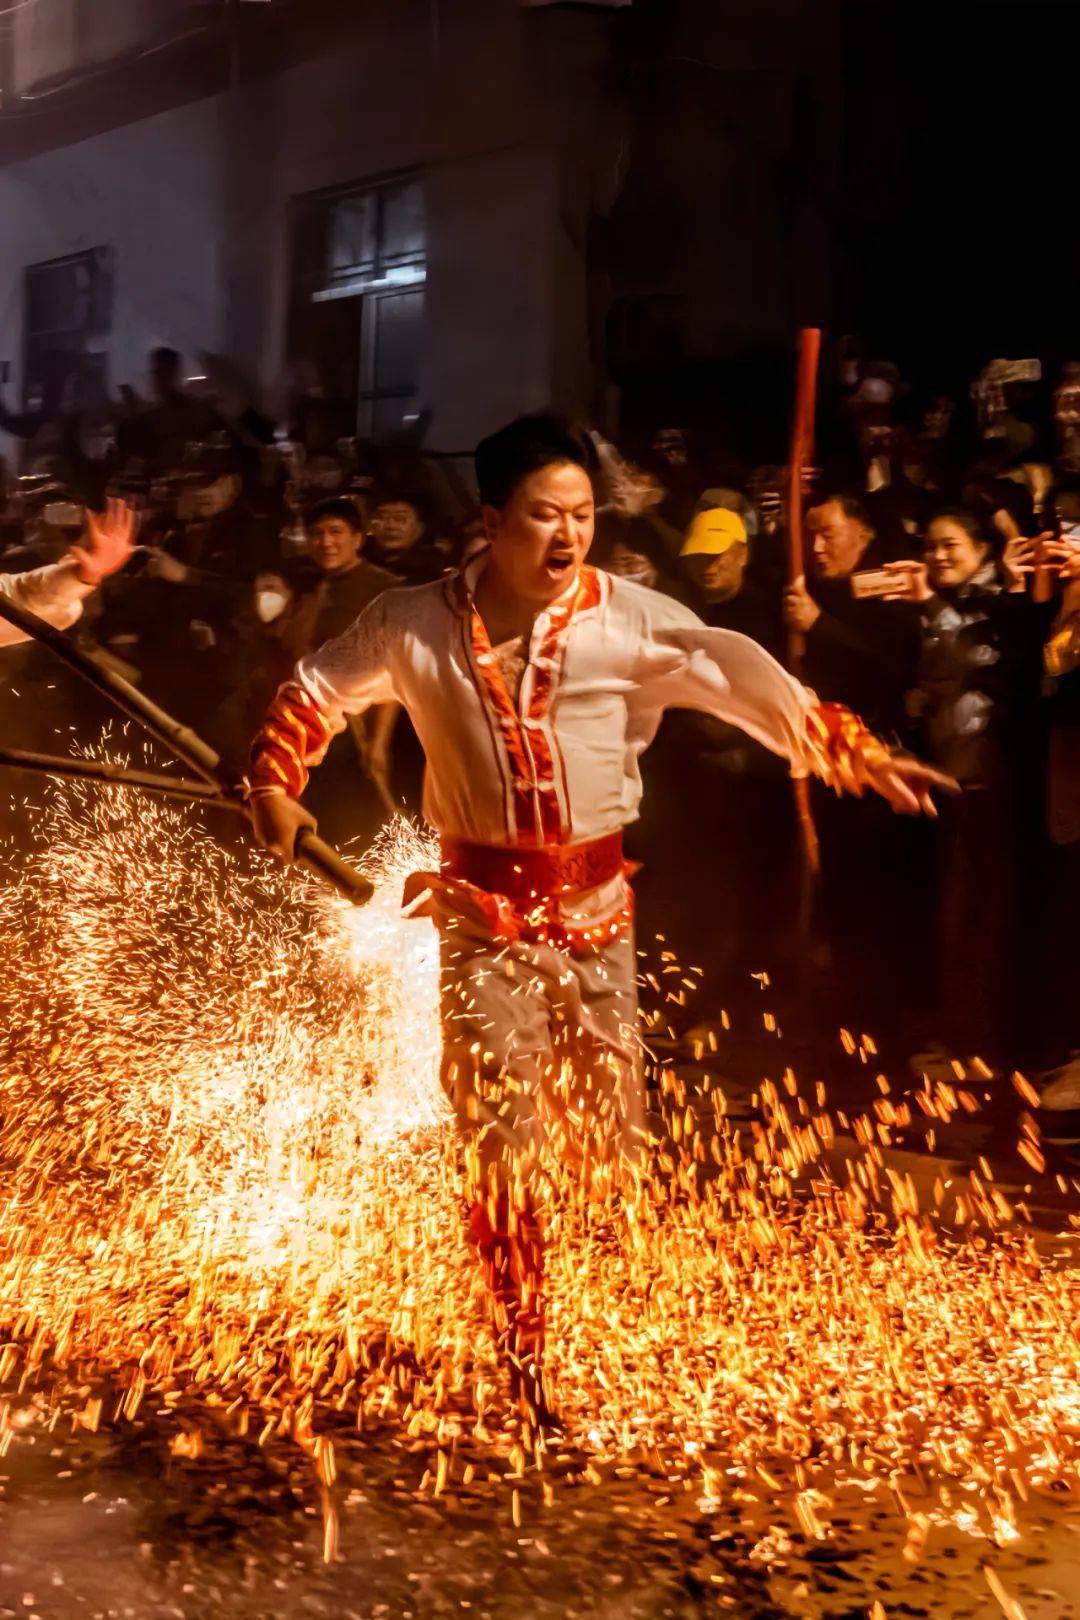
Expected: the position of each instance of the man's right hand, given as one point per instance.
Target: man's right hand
(277, 820)
(801, 612)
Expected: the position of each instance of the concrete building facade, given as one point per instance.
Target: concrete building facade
(462, 209)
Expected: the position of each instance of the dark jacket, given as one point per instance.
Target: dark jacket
(332, 603)
(978, 678)
(862, 652)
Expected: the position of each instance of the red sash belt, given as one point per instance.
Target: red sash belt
(529, 876)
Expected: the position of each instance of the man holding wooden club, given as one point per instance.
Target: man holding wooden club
(535, 683)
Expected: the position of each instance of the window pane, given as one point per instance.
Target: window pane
(403, 236)
(351, 238)
(397, 342)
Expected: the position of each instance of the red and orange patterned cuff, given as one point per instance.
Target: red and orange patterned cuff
(844, 753)
(294, 735)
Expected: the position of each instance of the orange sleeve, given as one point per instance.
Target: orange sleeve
(843, 750)
(295, 735)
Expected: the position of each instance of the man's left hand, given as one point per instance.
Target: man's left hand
(107, 543)
(907, 784)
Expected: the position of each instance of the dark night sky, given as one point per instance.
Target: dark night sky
(964, 140)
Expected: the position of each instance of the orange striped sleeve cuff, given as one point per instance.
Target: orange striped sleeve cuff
(843, 752)
(295, 735)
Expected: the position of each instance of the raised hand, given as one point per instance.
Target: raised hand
(1067, 557)
(1018, 560)
(107, 543)
(907, 783)
(912, 582)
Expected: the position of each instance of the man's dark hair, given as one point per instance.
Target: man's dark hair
(503, 459)
(852, 507)
(349, 508)
(417, 499)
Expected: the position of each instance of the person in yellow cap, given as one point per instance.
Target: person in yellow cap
(715, 559)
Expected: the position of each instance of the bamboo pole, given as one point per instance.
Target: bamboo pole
(102, 770)
(312, 853)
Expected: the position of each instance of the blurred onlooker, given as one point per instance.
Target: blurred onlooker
(1062, 668)
(186, 618)
(860, 650)
(715, 561)
(978, 637)
(352, 793)
(346, 580)
(402, 539)
(674, 464)
(974, 701)
(1067, 420)
(1002, 505)
(159, 434)
(630, 548)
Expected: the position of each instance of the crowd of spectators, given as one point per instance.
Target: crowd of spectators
(941, 601)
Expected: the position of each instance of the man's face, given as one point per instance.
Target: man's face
(542, 535)
(670, 446)
(397, 526)
(837, 541)
(205, 501)
(627, 563)
(723, 575)
(334, 545)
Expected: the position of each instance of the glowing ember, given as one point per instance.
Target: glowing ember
(230, 1179)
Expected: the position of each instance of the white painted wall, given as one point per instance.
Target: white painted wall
(153, 192)
(194, 204)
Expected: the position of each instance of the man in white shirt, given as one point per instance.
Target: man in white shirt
(56, 593)
(534, 684)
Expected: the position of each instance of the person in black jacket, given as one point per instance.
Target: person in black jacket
(976, 699)
(861, 652)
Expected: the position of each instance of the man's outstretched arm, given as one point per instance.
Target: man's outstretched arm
(344, 677)
(686, 664)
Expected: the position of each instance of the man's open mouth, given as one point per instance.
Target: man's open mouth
(560, 562)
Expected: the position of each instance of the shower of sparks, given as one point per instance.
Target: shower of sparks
(229, 1180)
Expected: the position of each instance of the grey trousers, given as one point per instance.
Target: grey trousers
(540, 1046)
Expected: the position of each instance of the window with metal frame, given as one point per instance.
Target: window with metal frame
(360, 265)
(68, 311)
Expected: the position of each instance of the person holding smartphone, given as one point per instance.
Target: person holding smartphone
(859, 650)
(976, 704)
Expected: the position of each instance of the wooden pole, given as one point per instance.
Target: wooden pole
(801, 450)
(104, 770)
(802, 447)
(312, 853)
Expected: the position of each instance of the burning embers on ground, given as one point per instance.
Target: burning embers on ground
(230, 1187)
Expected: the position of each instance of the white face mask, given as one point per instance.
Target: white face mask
(270, 605)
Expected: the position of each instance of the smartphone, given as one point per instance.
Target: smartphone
(875, 582)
